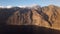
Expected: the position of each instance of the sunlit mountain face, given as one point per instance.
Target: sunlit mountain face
(47, 16)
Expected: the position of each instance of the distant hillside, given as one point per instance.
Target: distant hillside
(48, 16)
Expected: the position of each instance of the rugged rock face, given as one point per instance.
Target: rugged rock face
(48, 16)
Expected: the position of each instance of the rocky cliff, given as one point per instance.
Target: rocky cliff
(48, 16)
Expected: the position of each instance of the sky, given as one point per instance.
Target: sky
(29, 2)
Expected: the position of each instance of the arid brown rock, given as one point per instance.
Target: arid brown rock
(48, 16)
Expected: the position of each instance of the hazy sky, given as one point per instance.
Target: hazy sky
(29, 2)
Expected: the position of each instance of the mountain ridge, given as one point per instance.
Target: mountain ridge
(48, 16)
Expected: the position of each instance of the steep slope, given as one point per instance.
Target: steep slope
(20, 17)
(48, 16)
(53, 13)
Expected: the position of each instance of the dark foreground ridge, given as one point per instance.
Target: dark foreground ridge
(27, 29)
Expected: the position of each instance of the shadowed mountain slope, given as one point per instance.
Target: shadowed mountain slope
(48, 16)
(27, 29)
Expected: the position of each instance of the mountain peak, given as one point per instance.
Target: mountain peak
(35, 6)
(36, 16)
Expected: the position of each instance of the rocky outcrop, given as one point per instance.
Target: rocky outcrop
(48, 16)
